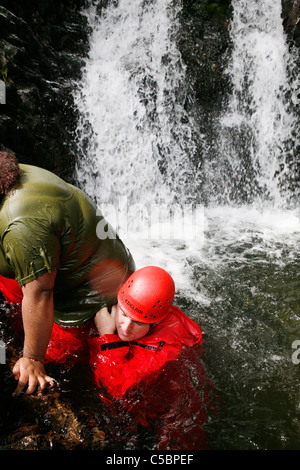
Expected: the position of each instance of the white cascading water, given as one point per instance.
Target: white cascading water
(134, 134)
(261, 110)
(137, 142)
(131, 96)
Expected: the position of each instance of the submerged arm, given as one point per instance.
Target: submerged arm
(37, 315)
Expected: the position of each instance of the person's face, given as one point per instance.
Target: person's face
(128, 329)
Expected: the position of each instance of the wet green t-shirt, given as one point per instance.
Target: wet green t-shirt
(46, 225)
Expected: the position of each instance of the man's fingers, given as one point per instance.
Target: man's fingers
(46, 381)
(16, 372)
(32, 384)
(50, 380)
(113, 311)
(32, 376)
(104, 311)
(20, 387)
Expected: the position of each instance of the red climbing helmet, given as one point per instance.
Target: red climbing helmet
(147, 294)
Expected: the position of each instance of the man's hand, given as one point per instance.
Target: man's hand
(105, 322)
(32, 373)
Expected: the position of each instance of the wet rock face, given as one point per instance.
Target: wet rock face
(204, 43)
(291, 23)
(41, 49)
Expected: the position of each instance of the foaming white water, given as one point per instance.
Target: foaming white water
(252, 230)
(260, 111)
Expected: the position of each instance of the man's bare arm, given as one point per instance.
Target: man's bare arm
(37, 315)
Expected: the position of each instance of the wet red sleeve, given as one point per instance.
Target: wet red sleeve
(11, 290)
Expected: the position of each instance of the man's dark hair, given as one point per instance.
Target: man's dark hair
(9, 172)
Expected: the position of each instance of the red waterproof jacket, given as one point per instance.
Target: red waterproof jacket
(160, 379)
(118, 365)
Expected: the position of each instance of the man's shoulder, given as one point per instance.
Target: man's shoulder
(39, 181)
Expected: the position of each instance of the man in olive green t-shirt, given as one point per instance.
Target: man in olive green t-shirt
(67, 259)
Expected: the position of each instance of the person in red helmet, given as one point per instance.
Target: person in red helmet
(146, 356)
(144, 326)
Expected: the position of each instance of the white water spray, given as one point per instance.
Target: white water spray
(134, 133)
(259, 128)
(131, 103)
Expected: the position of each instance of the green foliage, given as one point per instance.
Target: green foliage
(217, 7)
(3, 74)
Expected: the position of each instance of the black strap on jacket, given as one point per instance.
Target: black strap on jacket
(122, 344)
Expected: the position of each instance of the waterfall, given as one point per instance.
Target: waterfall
(136, 137)
(259, 128)
(138, 146)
